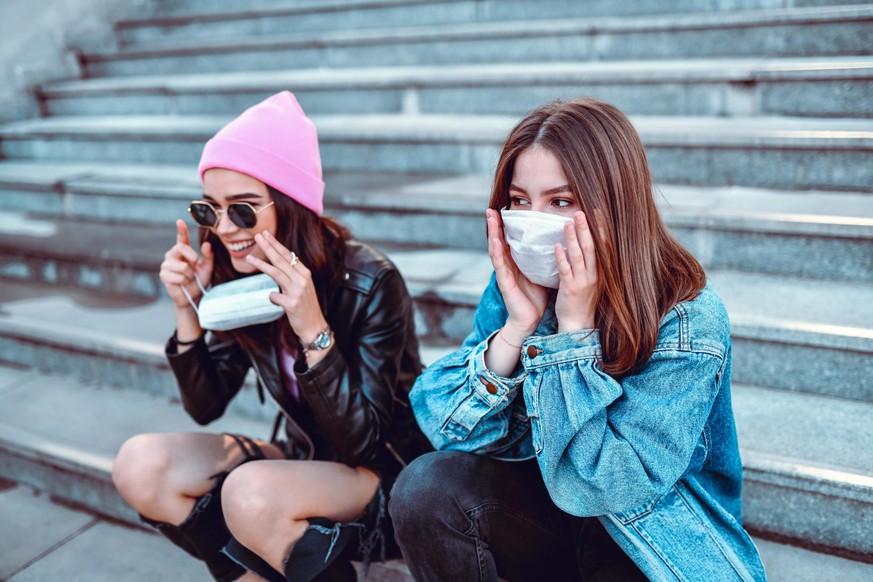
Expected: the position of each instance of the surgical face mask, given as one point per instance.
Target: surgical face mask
(532, 237)
(237, 303)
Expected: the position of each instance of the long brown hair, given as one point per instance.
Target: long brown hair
(643, 272)
(320, 243)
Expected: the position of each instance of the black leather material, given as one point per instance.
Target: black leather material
(354, 406)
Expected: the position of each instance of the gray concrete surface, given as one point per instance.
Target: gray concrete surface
(44, 539)
(788, 32)
(724, 87)
(36, 41)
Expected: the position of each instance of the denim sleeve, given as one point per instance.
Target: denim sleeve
(606, 446)
(459, 404)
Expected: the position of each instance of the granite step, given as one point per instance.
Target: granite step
(75, 468)
(788, 333)
(812, 32)
(793, 455)
(217, 19)
(810, 87)
(748, 229)
(778, 152)
(187, 8)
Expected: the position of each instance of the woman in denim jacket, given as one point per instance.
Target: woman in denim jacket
(599, 350)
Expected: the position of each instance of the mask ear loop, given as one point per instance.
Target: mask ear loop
(188, 295)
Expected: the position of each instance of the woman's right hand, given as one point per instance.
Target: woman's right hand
(525, 301)
(181, 263)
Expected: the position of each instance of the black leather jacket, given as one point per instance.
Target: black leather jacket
(354, 403)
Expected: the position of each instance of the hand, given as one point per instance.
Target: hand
(525, 301)
(181, 263)
(298, 296)
(578, 292)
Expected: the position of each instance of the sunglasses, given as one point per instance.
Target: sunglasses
(241, 214)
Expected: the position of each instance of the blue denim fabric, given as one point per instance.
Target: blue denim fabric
(653, 455)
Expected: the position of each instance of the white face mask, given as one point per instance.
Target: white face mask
(237, 303)
(532, 237)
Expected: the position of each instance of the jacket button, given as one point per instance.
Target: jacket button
(489, 386)
(533, 351)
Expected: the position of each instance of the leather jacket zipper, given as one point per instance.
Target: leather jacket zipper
(288, 418)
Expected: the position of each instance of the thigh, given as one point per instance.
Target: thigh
(302, 489)
(528, 537)
(503, 508)
(182, 464)
(196, 458)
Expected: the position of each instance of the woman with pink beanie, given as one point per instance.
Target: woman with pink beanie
(336, 354)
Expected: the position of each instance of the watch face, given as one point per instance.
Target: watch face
(323, 340)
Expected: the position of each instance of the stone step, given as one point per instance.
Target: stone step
(788, 153)
(823, 31)
(831, 482)
(746, 229)
(791, 334)
(75, 468)
(191, 8)
(811, 87)
(808, 471)
(216, 20)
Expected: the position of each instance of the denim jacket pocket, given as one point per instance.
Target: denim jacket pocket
(687, 543)
(631, 515)
(465, 417)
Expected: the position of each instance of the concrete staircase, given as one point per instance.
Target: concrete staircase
(757, 116)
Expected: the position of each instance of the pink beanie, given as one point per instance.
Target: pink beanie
(275, 143)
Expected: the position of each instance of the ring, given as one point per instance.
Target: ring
(294, 259)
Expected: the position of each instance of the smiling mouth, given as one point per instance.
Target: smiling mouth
(239, 246)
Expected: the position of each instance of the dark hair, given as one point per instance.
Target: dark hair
(320, 243)
(643, 272)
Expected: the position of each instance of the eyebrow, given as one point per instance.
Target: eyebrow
(549, 192)
(232, 197)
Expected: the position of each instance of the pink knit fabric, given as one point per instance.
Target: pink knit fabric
(275, 143)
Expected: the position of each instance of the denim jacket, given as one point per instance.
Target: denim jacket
(654, 455)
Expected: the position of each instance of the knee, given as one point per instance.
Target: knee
(247, 497)
(140, 467)
(428, 488)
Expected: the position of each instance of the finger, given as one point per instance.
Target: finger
(182, 236)
(495, 252)
(278, 254)
(176, 266)
(285, 260)
(284, 301)
(206, 262)
(491, 223)
(565, 270)
(586, 241)
(278, 275)
(574, 250)
(186, 253)
(173, 279)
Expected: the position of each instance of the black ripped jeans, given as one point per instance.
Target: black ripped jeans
(461, 516)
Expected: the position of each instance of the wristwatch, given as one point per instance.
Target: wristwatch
(321, 342)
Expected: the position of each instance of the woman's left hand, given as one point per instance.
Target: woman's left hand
(577, 267)
(297, 297)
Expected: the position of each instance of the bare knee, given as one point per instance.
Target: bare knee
(140, 470)
(253, 507)
(247, 496)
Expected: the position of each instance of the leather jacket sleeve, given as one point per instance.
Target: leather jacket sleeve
(209, 376)
(351, 392)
